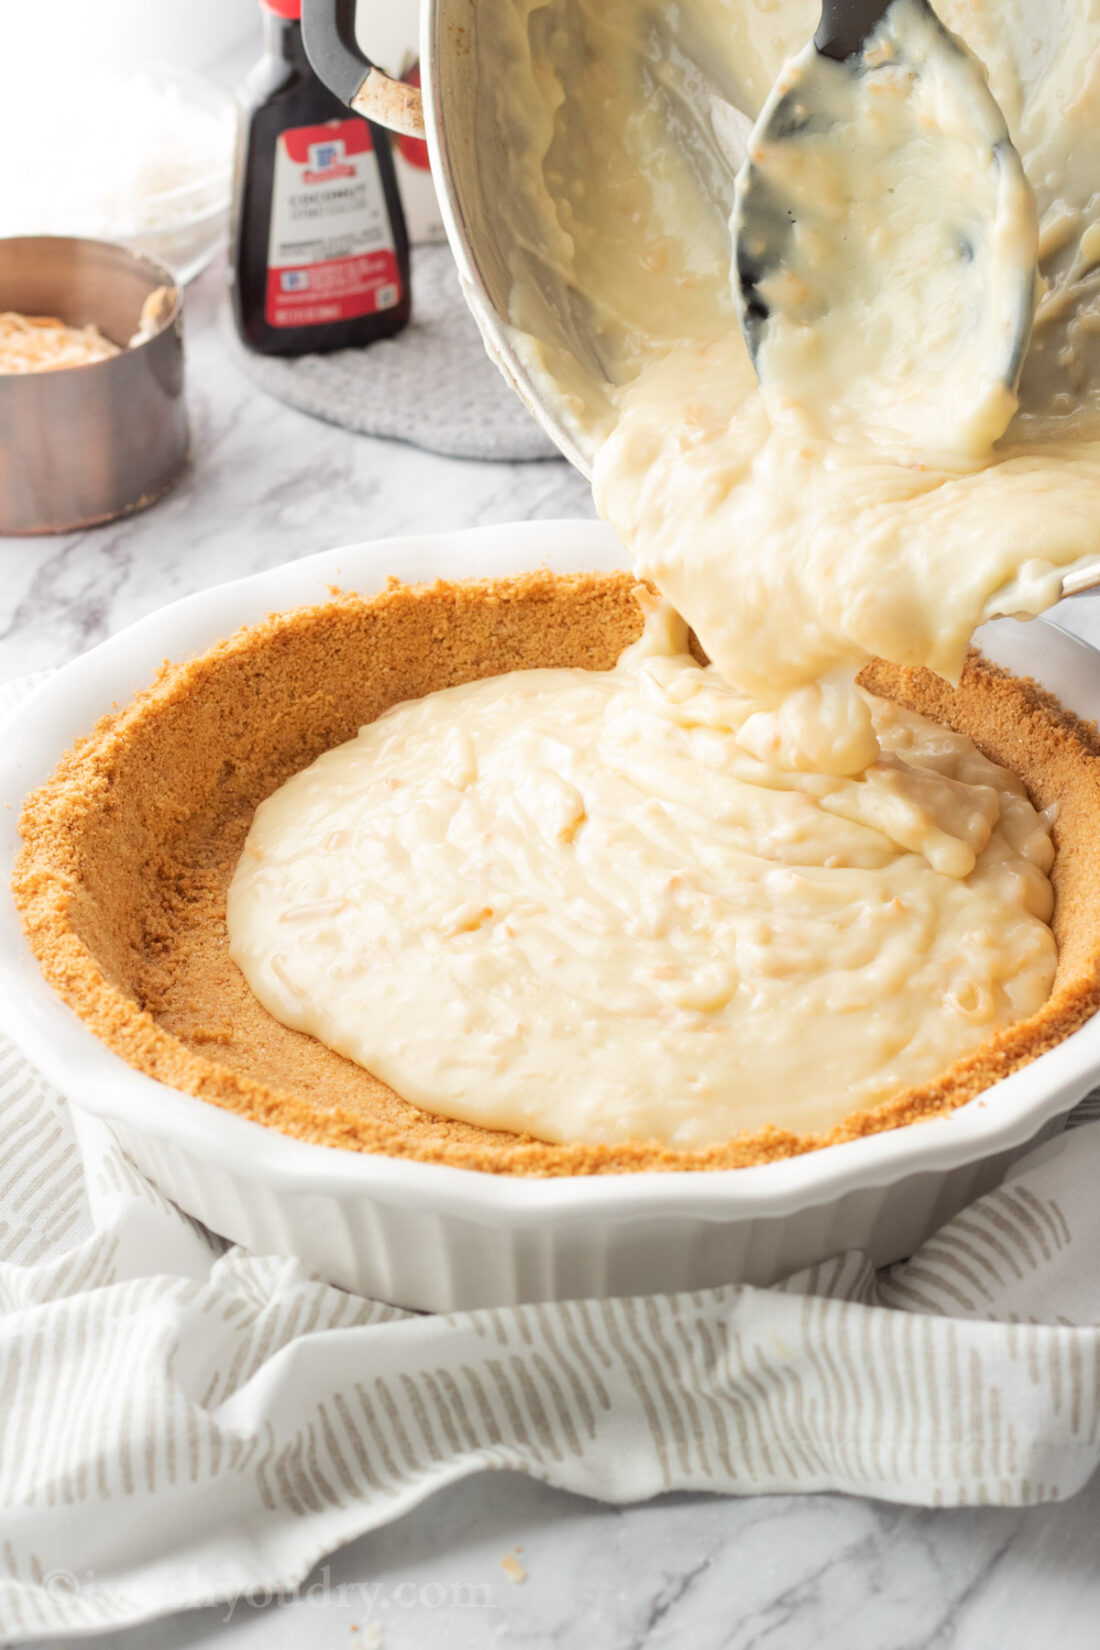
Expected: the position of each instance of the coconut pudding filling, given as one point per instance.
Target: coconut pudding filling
(678, 900)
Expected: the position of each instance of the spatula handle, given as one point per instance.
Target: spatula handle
(845, 25)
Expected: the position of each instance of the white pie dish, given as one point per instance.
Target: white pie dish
(431, 1236)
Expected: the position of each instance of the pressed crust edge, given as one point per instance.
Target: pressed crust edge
(128, 848)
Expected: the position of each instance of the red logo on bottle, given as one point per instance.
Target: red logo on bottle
(327, 163)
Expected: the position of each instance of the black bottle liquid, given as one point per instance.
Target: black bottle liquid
(320, 256)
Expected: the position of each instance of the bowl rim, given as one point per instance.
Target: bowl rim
(97, 1081)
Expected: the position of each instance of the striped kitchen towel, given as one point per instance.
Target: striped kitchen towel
(183, 1423)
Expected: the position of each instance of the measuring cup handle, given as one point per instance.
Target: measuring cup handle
(328, 33)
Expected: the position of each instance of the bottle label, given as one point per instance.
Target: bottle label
(331, 253)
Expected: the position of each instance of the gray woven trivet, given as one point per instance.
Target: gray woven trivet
(432, 385)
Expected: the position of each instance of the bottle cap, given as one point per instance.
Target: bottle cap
(291, 9)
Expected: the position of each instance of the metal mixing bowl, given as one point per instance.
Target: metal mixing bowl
(81, 445)
(550, 346)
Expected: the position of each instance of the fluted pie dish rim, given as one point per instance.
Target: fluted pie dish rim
(98, 1081)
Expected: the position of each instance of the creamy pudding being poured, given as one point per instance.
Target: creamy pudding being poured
(676, 902)
(799, 526)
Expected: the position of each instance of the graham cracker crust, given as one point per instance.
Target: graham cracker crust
(128, 851)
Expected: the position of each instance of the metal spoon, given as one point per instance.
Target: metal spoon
(810, 244)
(773, 201)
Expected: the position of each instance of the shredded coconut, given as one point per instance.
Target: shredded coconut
(138, 155)
(41, 343)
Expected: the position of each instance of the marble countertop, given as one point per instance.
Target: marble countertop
(265, 485)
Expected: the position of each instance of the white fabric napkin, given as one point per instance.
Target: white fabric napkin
(182, 1423)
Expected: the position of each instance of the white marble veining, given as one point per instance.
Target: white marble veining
(267, 484)
(679, 1573)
